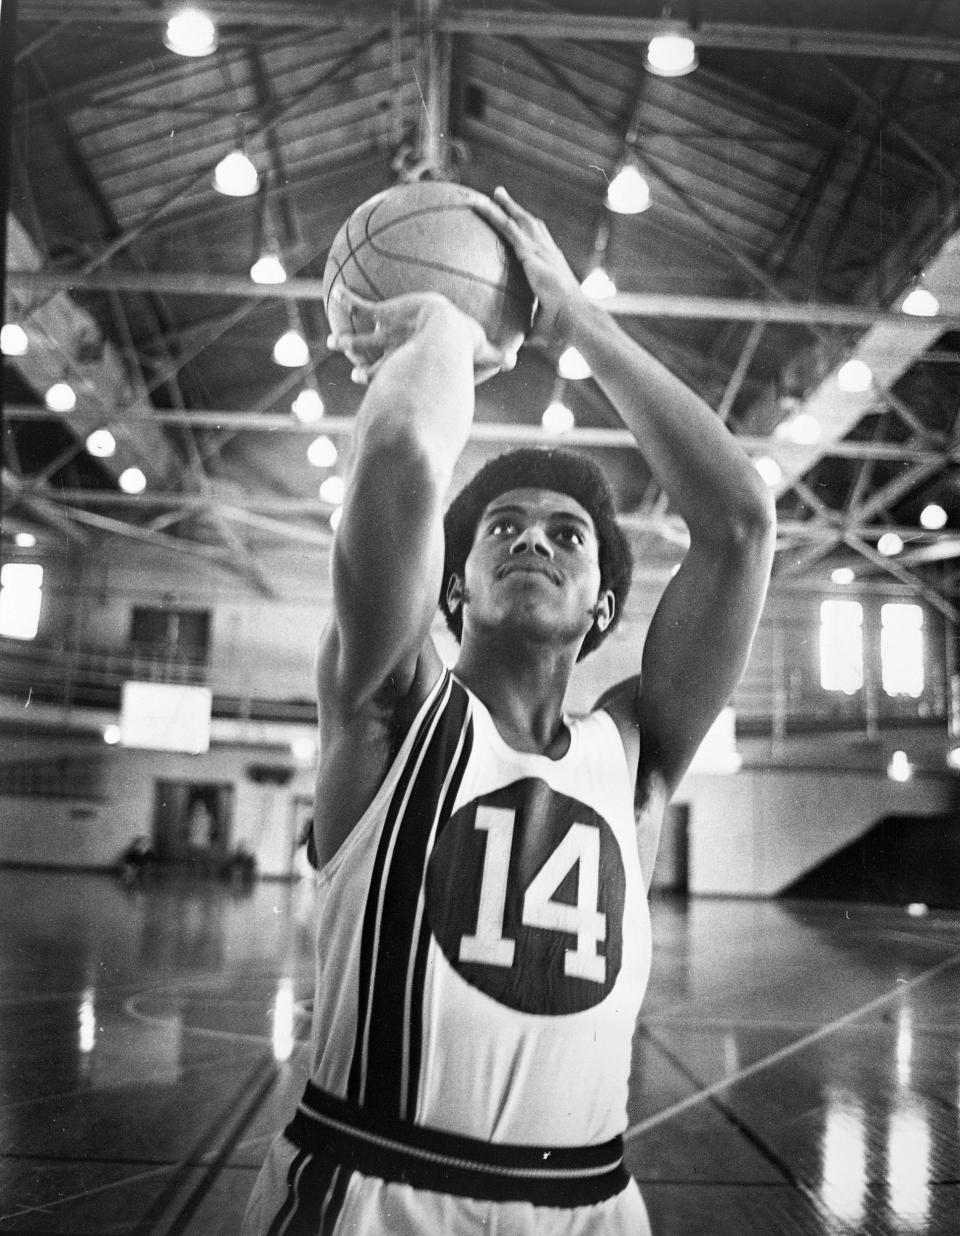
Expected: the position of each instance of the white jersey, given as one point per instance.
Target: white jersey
(483, 935)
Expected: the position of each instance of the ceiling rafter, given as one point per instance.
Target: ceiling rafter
(624, 304)
(542, 23)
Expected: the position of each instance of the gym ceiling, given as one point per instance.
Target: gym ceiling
(803, 179)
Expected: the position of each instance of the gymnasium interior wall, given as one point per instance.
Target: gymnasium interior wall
(793, 802)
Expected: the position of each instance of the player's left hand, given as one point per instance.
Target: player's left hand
(547, 270)
(383, 326)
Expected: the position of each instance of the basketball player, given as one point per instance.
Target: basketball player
(483, 931)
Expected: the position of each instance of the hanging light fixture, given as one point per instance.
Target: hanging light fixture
(268, 268)
(331, 490)
(628, 193)
(769, 469)
(933, 517)
(572, 365)
(13, 340)
(920, 303)
(322, 452)
(291, 350)
(598, 285)
(890, 544)
(557, 418)
(190, 32)
(854, 376)
(132, 481)
(308, 406)
(101, 443)
(671, 55)
(60, 397)
(235, 175)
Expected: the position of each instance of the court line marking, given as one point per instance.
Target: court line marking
(179, 1169)
(790, 1049)
(772, 1023)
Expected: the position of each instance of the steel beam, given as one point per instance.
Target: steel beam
(624, 304)
(526, 23)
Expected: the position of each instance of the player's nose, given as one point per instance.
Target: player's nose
(533, 540)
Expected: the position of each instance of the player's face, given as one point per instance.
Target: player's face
(535, 562)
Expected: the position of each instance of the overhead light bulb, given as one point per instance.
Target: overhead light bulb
(25, 540)
(890, 545)
(671, 55)
(842, 576)
(920, 303)
(854, 376)
(769, 469)
(235, 175)
(303, 749)
(933, 517)
(899, 768)
(190, 32)
(13, 340)
(60, 397)
(322, 452)
(101, 443)
(598, 285)
(331, 490)
(268, 269)
(802, 429)
(335, 516)
(111, 735)
(132, 481)
(557, 418)
(572, 365)
(308, 406)
(628, 193)
(291, 350)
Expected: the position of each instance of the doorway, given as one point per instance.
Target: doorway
(192, 824)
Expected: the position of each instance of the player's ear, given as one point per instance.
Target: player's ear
(454, 592)
(604, 610)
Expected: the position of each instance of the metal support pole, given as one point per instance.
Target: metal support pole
(8, 42)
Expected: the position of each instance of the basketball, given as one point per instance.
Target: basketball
(426, 237)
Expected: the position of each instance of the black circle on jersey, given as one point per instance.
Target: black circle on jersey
(536, 980)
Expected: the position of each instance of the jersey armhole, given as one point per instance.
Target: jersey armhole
(392, 776)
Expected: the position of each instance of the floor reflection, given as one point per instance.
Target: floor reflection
(797, 1070)
(908, 1163)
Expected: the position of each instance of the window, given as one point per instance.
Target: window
(21, 594)
(841, 646)
(181, 636)
(901, 649)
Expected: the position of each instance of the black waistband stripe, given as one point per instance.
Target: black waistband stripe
(431, 1159)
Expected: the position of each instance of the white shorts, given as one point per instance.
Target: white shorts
(298, 1194)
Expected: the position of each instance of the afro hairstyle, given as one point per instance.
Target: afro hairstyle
(539, 468)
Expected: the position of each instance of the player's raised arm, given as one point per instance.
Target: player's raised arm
(700, 636)
(418, 355)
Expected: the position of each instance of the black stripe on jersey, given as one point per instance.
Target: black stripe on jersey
(369, 937)
(384, 1077)
(333, 1203)
(316, 1185)
(413, 1023)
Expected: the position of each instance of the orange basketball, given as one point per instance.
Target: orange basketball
(426, 237)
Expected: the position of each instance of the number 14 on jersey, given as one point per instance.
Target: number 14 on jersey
(579, 848)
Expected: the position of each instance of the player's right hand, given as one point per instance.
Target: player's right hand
(385, 325)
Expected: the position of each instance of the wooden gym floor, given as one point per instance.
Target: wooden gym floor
(797, 1067)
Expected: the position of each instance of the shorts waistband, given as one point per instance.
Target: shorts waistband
(440, 1162)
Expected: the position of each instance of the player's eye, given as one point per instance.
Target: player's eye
(503, 527)
(570, 534)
